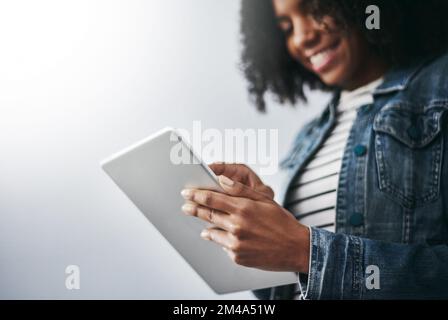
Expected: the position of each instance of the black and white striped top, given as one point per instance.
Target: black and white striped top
(312, 195)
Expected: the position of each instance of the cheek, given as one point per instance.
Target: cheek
(351, 57)
(346, 54)
(292, 52)
(356, 49)
(295, 54)
(350, 48)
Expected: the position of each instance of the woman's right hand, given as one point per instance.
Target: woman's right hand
(243, 174)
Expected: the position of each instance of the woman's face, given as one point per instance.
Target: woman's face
(337, 58)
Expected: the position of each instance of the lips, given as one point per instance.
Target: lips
(320, 60)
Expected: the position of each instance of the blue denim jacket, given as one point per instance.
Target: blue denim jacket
(392, 198)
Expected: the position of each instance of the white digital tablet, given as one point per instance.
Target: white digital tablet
(152, 174)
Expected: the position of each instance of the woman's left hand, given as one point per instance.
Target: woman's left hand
(252, 228)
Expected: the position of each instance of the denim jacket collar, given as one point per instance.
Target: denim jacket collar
(399, 77)
(396, 79)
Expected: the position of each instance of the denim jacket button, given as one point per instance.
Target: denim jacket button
(356, 219)
(366, 108)
(360, 150)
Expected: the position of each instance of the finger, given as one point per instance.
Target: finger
(221, 237)
(211, 199)
(267, 191)
(238, 189)
(230, 253)
(218, 218)
(217, 167)
(242, 174)
(235, 171)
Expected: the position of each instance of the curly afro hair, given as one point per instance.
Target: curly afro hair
(410, 29)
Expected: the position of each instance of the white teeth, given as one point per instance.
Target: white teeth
(320, 57)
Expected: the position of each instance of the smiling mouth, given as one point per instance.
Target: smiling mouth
(323, 58)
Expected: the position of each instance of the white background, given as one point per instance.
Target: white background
(80, 80)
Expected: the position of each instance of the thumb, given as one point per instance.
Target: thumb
(239, 189)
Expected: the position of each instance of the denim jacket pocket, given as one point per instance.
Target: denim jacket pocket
(408, 151)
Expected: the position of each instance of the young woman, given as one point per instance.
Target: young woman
(365, 211)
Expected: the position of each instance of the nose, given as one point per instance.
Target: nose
(305, 33)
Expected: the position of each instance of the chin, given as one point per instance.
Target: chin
(334, 78)
(332, 81)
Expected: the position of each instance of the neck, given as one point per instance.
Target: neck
(369, 73)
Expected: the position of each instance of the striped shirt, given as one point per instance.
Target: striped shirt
(312, 194)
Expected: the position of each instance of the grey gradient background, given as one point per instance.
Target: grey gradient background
(80, 80)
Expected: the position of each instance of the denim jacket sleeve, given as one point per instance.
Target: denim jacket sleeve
(339, 269)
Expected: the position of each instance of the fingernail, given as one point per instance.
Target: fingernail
(189, 209)
(187, 194)
(226, 181)
(205, 234)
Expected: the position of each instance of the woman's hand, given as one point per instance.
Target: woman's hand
(243, 174)
(253, 229)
